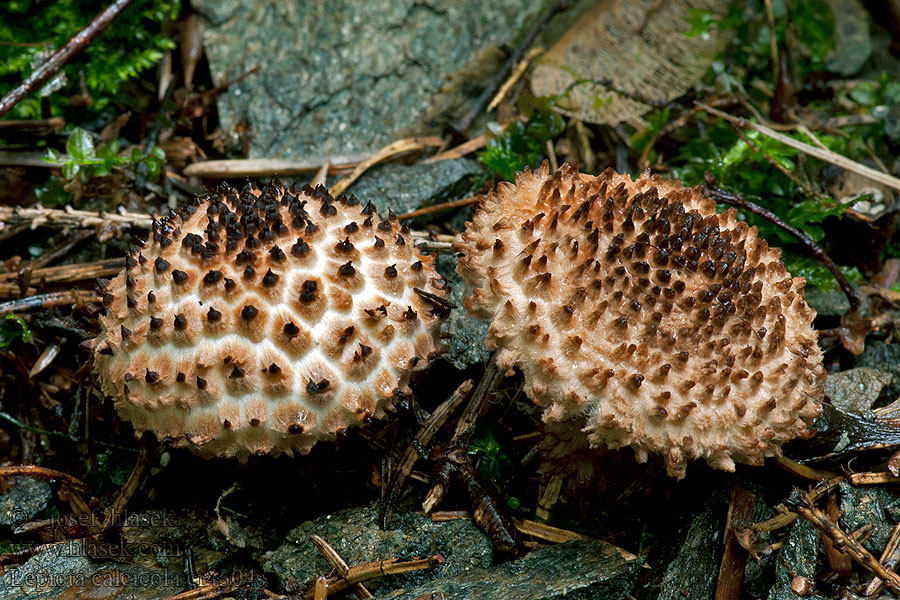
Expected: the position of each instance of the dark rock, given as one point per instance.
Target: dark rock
(856, 390)
(579, 570)
(356, 536)
(852, 42)
(885, 358)
(369, 73)
(826, 303)
(404, 188)
(693, 572)
(465, 344)
(65, 572)
(23, 499)
(796, 558)
(868, 505)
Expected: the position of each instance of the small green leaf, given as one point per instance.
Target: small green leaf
(865, 93)
(80, 146)
(13, 328)
(70, 170)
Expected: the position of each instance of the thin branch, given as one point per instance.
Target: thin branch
(43, 473)
(422, 438)
(62, 56)
(44, 300)
(514, 77)
(803, 505)
(375, 569)
(825, 155)
(38, 216)
(339, 564)
(269, 167)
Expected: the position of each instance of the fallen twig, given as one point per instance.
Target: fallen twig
(62, 56)
(404, 145)
(822, 154)
(462, 125)
(375, 569)
(43, 473)
(517, 73)
(890, 556)
(476, 143)
(422, 438)
(117, 508)
(270, 167)
(210, 591)
(803, 505)
(38, 216)
(734, 559)
(35, 126)
(52, 299)
(339, 564)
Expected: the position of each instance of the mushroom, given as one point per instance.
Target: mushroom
(262, 321)
(634, 310)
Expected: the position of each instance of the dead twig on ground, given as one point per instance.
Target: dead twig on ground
(476, 143)
(117, 508)
(419, 442)
(52, 65)
(517, 73)
(43, 473)
(452, 463)
(39, 127)
(824, 155)
(371, 570)
(734, 559)
(211, 591)
(890, 556)
(38, 216)
(339, 564)
(270, 167)
(802, 504)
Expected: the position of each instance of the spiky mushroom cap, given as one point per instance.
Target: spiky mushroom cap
(265, 320)
(633, 305)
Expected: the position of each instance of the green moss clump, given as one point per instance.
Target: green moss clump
(34, 29)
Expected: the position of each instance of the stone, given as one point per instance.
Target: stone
(856, 390)
(695, 568)
(826, 303)
(796, 559)
(852, 42)
(868, 505)
(885, 358)
(64, 572)
(370, 73)
(465, 334)
(579, 570)
(23, 499)
(357, 537)
(404, 188)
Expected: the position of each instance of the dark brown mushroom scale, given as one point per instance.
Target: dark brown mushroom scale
(210, 337)
(644, 318)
